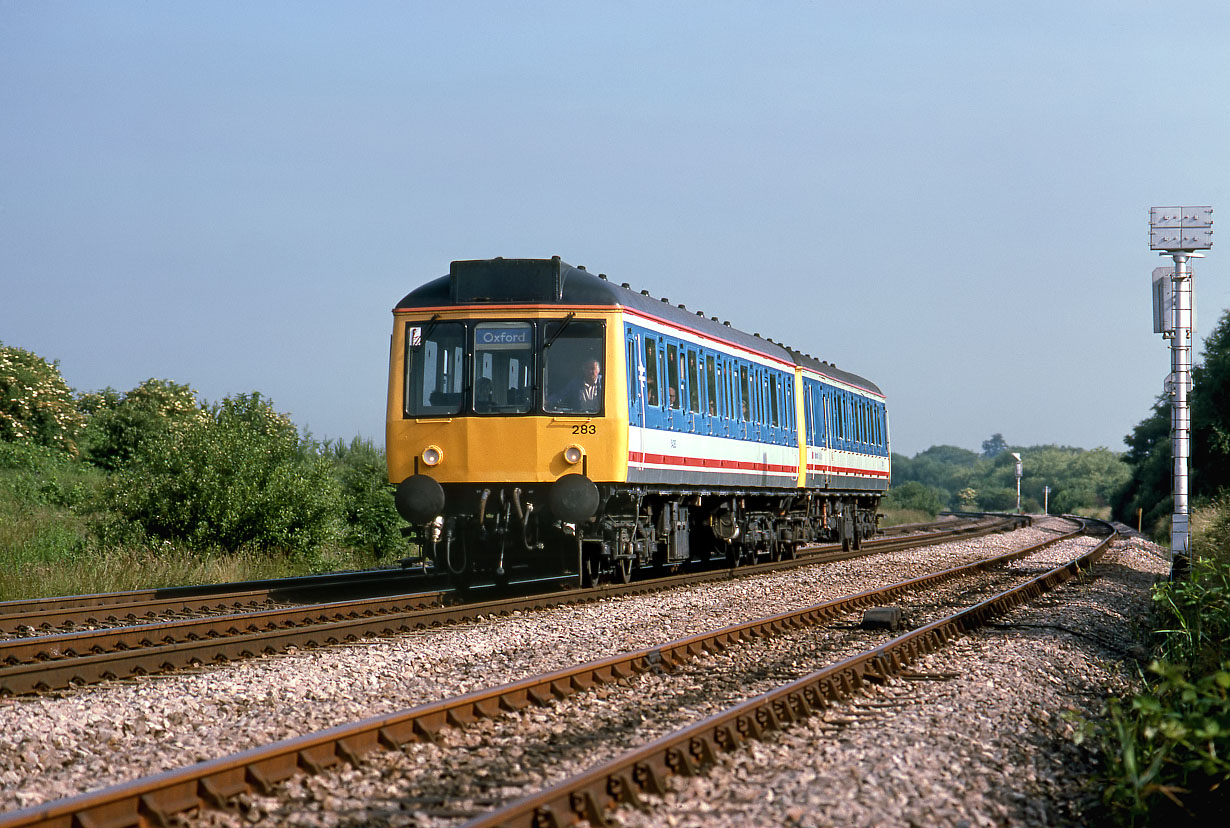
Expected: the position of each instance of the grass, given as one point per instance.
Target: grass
(900, 517)
(145, 568)
(50, 545)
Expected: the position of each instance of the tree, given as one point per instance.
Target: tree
(36, 404)
(995, 444)
(1210, 411)
(1150, 454)
(915, 496)
(1149, 457)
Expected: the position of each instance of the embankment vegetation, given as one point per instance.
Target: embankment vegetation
(106, 490)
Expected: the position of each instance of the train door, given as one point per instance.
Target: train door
(713, 402)
(726, 408)
(636, 393)
(826, 434)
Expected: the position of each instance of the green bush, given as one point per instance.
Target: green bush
(238, 478)
(1167, 749)
(916, 497)
(36, 405)
(37, 475)
(371, 520)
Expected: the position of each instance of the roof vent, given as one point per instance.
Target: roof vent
(626, 286)
(667, 301)
(701, 314)
(602, 276)
(727, 324)
(644, 293)
(580, 267)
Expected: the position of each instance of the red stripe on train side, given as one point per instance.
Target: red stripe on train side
(645, 458)
(812, 467)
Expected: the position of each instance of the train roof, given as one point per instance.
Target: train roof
(552, 281)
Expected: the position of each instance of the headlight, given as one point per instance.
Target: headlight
(573, 454)
(432, 455)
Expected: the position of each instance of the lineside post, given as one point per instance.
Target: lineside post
(1178, 232)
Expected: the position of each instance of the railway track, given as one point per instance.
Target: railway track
(227, 780)
(62, 613)
(54, 661)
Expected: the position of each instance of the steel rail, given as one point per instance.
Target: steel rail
(156, 799)
(50, 662)
(100, 608)
(689, 751)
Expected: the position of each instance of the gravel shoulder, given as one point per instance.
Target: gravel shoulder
(989, 743)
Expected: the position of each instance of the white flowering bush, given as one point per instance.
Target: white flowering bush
(116, 425)
(36, 405)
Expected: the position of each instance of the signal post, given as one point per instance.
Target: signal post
(1178, 232)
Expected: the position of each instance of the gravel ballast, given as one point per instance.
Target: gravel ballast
(87, 739)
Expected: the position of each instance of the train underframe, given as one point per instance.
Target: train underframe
(504, 532)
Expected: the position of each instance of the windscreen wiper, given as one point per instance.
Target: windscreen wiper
(567, 321)
(431, 326)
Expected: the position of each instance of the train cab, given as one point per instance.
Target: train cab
(503, 405)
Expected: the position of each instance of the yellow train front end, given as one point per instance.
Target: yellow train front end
(507, 425)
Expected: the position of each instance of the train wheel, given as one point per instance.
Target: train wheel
(623, 570)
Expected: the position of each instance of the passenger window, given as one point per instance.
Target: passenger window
(651, 371)
(745, 400)
(730, 391)
(711, 375)
(773, 400)
(672, 375)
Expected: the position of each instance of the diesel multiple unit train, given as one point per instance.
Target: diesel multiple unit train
(545, 421)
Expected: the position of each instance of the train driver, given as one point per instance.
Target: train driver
(583, 393)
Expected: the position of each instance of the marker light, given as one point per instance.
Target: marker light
(432, 455)
(573, 454)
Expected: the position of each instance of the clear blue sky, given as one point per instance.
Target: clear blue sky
(948, 198)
